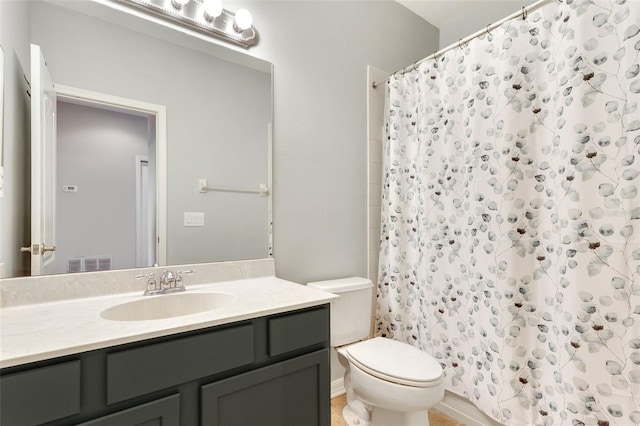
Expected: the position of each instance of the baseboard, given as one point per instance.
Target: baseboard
(464, 411)
(337, 388)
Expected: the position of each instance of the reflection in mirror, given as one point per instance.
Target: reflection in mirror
(106, 188)
(218, 123)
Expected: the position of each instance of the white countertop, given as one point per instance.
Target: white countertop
(36, 332)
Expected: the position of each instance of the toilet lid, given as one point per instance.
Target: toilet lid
(396, 362)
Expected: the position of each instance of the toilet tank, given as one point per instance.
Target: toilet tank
(351, 313)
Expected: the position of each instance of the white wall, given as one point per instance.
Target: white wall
(14, 229)
(492, 11)
(96, 152)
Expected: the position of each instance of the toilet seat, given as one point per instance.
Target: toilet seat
(395, 362)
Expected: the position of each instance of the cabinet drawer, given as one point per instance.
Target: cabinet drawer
(40, 395)
(163, 412)
(145, 369)
(299, 330)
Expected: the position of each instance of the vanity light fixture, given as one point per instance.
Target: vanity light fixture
(207, 16)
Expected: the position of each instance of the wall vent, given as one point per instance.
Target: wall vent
(89, 264)
(74, 265)
(104, 263)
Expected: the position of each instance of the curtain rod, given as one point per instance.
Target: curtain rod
(521, 13)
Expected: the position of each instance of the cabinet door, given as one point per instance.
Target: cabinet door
(163, 412)
(291, 393)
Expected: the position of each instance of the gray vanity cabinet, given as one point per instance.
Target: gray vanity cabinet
(268, 371)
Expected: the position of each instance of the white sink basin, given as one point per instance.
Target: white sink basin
(167, 306)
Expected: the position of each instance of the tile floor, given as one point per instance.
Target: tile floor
(436, 418)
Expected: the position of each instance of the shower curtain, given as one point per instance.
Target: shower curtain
(510, 244)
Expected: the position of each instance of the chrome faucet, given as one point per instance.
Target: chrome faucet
(169, 282)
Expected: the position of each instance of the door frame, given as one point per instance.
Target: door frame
(131, 106)
(143, 217)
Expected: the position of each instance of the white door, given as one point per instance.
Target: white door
(43, 174)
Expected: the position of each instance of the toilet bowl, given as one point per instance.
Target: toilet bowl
(388, 383)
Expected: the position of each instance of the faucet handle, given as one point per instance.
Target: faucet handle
(179, 275)
(150, 287)
(150, 276)
(180, 281)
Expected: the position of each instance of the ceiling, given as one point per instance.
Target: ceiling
(441, 12)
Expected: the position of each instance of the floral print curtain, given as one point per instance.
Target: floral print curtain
(510, 245)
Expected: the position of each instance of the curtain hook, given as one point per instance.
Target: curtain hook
(460, 43)
(524, 13)
(488, 29)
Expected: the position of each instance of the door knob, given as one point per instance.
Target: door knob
(35, 249)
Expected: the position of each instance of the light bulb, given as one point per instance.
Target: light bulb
(212, 9)
(243, 19)
(179, 3)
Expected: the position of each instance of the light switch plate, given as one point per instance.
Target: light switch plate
(193, 218)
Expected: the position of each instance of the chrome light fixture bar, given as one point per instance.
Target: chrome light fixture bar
(206, 16)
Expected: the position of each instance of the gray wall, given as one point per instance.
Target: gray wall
(320, 51)
(14, 207)
(467, 24)
(96, 152)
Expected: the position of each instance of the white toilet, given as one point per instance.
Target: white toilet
(388, 383)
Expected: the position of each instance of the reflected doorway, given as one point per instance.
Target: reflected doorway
(105, 197)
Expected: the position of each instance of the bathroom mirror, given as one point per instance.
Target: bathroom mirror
(218, 128)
